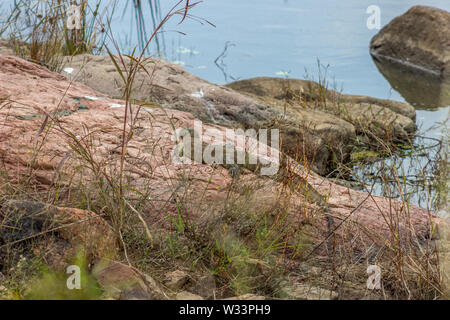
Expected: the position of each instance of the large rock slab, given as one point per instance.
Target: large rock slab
(420, 38)
(80, 109)
(382, 117)
(46, 118)
(287, 89)
(173, 87)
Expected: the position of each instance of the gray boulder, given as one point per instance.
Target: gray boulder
(420, 38)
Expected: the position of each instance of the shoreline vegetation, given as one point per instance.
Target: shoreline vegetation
(86, 179)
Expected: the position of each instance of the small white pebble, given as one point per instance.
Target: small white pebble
(68, 70)
(92, 98)
(199, 94)
(115, 105)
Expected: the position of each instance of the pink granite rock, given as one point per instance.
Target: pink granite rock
(45, 118)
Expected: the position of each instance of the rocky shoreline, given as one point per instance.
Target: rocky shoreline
(89, 113)
(61, 133)
(327, 125)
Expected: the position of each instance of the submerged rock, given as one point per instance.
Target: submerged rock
(420, 39)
